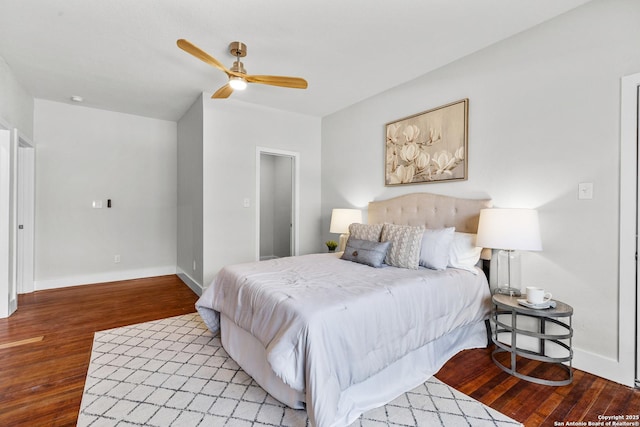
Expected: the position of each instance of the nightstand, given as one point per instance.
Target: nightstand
(508, 317)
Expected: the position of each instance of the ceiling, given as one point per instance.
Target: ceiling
(121, 55)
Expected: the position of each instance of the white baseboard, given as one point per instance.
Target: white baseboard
(189, 281)
(112, 276)
(605, 367)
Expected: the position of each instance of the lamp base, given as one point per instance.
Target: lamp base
(507, 290)
(342, 243)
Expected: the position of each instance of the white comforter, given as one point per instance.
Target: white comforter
(327, 324)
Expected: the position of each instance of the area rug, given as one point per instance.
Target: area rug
(174, 372)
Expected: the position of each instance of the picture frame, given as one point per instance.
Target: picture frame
(428, 147)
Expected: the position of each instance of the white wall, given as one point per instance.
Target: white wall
(232, 131)
(190, 191)
(544, 116)
(16, 104)
(86, 154)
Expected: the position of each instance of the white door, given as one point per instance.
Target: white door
(8, 294)
(25, 219)
(626, 368)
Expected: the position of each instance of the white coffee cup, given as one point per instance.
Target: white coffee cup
(537, 295)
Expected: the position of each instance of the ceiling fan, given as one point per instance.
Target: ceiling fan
(238, 77)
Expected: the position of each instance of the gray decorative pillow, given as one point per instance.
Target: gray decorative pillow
(365, 252)
(369, 232)
(405, 245)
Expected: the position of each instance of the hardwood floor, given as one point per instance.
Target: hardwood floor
(42, 379)
(588, 396)
(41, 383)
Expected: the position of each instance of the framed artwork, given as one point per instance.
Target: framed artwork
(428, 147)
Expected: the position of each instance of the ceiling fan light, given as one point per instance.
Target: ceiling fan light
(237, 83)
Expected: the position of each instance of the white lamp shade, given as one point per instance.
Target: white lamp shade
(510, 229)
(341, 219)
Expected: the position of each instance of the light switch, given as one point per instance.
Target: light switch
(97, 204)
(585, 191)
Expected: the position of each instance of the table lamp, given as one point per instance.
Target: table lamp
(509, 231)
(341, 219)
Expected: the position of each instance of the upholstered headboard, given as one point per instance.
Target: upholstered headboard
(430, 210)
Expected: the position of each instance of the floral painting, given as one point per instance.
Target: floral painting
(428, 147)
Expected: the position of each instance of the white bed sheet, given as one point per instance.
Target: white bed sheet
(328, 325)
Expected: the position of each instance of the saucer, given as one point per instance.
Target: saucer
(542, 305)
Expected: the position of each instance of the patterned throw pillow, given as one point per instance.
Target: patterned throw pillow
(369, 232)
(405, 245)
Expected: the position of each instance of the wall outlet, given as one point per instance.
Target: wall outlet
(246, 202)
(97, 204)
(116, 258)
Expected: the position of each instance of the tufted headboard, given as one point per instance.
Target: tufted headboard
(430, 210)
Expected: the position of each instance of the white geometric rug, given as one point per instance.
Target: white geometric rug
(174, 372)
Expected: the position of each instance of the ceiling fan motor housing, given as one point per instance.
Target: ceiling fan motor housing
(238, 67)
(238, 49)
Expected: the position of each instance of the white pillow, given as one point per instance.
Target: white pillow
(405, 245)
(464, 253)
(436, 244)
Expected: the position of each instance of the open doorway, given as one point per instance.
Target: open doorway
(276, 202)
(17, 169)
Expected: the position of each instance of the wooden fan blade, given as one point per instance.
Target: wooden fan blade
(223, 92)
(194, 50)
(283, 81)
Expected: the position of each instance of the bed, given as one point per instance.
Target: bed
(338, 337)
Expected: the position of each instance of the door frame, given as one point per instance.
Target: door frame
(17, 201)
(628, 346)
(295, 196)
(7, 284)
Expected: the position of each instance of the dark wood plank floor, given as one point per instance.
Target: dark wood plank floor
(588, 396)
(41, 382)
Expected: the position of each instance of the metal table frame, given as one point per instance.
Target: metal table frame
(505, 305)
